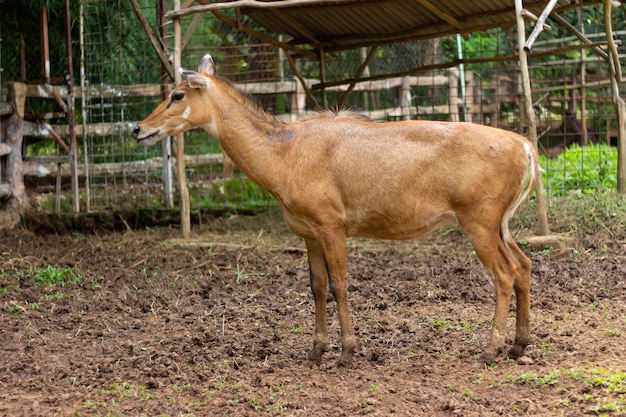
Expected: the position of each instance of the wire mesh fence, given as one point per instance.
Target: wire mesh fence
(123, 79)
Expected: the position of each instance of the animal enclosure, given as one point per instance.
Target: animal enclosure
(122, 80)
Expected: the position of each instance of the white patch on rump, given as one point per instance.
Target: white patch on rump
(187, 112)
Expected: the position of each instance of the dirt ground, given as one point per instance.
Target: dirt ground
(151, 325)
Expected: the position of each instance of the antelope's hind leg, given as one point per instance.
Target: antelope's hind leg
(504, 268)
(319, 287)
(522, 297)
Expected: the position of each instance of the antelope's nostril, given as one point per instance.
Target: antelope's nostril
(136, 131)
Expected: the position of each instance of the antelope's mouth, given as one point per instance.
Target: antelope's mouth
(152, 135)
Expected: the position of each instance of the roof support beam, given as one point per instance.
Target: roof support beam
(359, 73)
(300, 78)
(602, 54)
(245, 3)
(530, 15)
(451, 64)
(618, 101)
(296, 26)
(529, 112)
(440, 13)
(285, 46)
(539, 26)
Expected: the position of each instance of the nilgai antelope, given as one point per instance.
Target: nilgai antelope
(338, 175)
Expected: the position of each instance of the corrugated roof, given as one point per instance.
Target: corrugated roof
(348, 24)
(315, 28)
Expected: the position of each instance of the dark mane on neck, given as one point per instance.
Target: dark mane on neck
(246, 100)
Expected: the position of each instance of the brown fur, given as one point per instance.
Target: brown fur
(338, 175)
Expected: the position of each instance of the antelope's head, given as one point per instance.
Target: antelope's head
(176, 114)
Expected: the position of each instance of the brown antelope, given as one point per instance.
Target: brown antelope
(338, 175)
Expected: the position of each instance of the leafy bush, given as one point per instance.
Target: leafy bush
(586, 169)
(237, 193)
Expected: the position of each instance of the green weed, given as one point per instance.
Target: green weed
(440, 325)
(586, 169)
(600, 381)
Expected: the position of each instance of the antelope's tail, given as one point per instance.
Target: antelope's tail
(527, 186)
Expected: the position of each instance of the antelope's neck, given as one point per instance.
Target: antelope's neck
(254, 141)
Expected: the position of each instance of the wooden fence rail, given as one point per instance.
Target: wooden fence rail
(17, 128)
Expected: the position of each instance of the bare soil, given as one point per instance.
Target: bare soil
(221, 325)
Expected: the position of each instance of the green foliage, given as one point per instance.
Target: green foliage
(238, 193)
(613, 381)
(52, 275)
(603, 388)
(586, 169)
(115, 50)
(550, 378)
(21, 21)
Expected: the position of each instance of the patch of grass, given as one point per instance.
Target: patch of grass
(112, 397)
(237, 193)
(613, 332)
(7, 282)
(602, 388)
(467, 395)
(297, 329)
(578, 215)
(51, 275)
(14, 308)
(441, 325)
(550, 378)
(52, 278)
(546, 348)
(584, 169)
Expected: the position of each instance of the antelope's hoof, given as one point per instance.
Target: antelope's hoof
(344, 363)
(488, 358)
(345, 360)
(516, 352)
(315, 357)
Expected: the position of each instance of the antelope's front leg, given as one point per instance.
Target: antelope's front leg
(334, 249)
(319, 285)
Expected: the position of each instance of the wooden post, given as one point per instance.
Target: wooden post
(45, 49)
(469, 97)
(185, 220)
(405, 98)
(83, 102)
(453, 94)
(544, 229)
(298, 102)
(71, 115)
(583, 82)
(620, 110)
(322, 59)
(618, 101)
(166, 144)
(12, 136)
(57, 198)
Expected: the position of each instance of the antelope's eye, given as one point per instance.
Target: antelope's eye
(178, 95)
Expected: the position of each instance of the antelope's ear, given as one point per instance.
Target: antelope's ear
(194, 79)
(207, 65)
